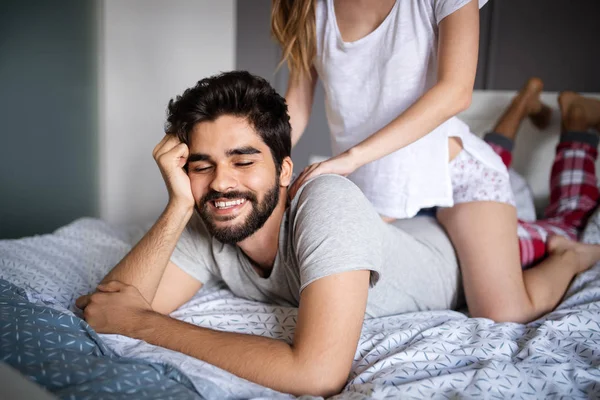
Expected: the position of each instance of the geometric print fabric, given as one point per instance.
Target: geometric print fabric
(432, 354)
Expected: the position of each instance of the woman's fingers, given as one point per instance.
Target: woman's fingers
(304, 176)
(296, 185)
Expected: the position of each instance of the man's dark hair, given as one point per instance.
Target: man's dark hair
(236, 93)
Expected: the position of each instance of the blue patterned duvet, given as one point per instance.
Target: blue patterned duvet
(440, 354)
(63, 354)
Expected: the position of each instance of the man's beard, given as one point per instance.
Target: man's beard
(259, 214)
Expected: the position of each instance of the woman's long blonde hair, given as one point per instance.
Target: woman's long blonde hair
(293, 26)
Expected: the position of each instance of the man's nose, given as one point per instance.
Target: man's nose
(224, 179)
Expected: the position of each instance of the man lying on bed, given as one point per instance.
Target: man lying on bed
(226, 163)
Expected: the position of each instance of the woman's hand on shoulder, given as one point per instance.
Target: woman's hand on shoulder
(340, 165)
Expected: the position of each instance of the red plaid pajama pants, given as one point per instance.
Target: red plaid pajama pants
(573, 196)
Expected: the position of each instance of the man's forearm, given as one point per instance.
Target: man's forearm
(269, 362)
(144, 265)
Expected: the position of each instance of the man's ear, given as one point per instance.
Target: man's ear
(287, 169)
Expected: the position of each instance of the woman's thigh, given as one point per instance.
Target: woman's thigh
(484, 234)
(482, 226)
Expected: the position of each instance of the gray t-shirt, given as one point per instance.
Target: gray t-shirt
(329, 228)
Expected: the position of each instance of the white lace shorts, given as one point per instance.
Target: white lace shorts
(474, 181)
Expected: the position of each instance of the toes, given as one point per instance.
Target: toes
(535, 84)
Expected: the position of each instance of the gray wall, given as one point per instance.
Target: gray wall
(258, 53)
(48, 109)
(553, 39)
(556, 40)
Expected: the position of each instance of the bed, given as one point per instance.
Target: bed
(441, 354)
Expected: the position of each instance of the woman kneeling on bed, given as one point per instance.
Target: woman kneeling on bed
(395, 75)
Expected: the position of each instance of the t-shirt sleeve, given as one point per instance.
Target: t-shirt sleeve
(336, 230)
(192, 252)
(443, 8)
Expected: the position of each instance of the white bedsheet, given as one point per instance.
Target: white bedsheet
(439, 354)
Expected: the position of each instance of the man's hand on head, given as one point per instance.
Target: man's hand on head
(171, 156)
(114, 308)
(144, 276)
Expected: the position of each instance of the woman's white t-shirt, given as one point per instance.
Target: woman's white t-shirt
(370, 82)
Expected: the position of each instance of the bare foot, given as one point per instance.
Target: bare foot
(575, 119)
(526, 103)
(587, 111)
(529, 99)
(585, 255)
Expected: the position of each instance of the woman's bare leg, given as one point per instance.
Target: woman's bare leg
(484, 235)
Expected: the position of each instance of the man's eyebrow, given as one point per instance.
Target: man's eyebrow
(198, 157)
(232, 152)
(242, 151)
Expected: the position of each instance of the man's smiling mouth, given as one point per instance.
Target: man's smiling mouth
(227, 204)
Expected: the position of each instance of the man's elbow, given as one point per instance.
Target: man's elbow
(325, 389)
(324, 383)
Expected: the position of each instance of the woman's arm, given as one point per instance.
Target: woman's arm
(299, 98)
(457, 65)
